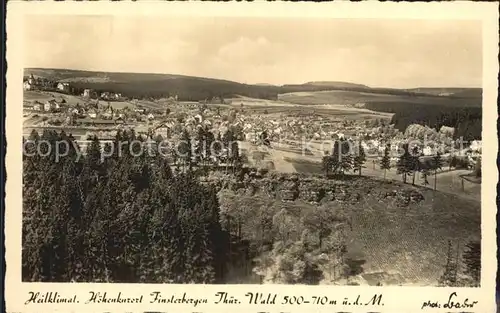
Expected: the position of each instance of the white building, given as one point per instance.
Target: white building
(476, 145)
(447, 130)
(427, 151)
(27, 85)
(64, 87)
(365, 145)
(92, 113)
(51, 105)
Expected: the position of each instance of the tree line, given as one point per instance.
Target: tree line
(347, 157)
(466, 118)
(204, 148)
(117, 219)
(343, 159)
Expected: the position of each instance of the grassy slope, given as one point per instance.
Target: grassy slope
(412, 241)
(335, 84)
(353, 97)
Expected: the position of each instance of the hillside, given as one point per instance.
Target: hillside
(77, 75)
(141, 85)
(334, 84)
(348, 97)
(396, 230)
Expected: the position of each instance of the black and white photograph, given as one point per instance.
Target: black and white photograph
(252, 157)
(258, 150)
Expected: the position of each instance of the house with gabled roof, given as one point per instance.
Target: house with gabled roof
(51, 105)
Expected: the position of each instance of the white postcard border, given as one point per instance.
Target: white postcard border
(398, 299)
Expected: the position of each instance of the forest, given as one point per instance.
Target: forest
(121, 219)
(127, 217)
(467, 120)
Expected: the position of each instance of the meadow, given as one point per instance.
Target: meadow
(412, 241)
(29, 95)
(341, 97)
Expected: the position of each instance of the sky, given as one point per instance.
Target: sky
(375, 52)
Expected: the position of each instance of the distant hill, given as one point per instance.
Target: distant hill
(265, 85)
(335, 84)
(115, 77)
(143, 85)
(191, 88)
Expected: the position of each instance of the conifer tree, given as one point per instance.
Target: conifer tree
(477, 168)
(326, 164)
(425, 171)
(201, 142)
(217, 147)
(404, 164)
(385, 162)
(415, 163)
(210, 139)
(359, 158)
(437, 165)
(341, 159)
(185, 149)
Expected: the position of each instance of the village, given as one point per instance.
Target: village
(297, 136)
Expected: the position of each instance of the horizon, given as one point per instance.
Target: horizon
(381, 53)
(253, 84)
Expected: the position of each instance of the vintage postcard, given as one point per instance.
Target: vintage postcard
(251, 157)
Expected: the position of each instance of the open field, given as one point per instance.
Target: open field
(150, 105)
(350, 109)
(119, 105)
(340, 97)
(336, 112)
(330, 97)
(29, 95)
(263, 106)
(412, 242)
(256, 102)
(42, 96)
